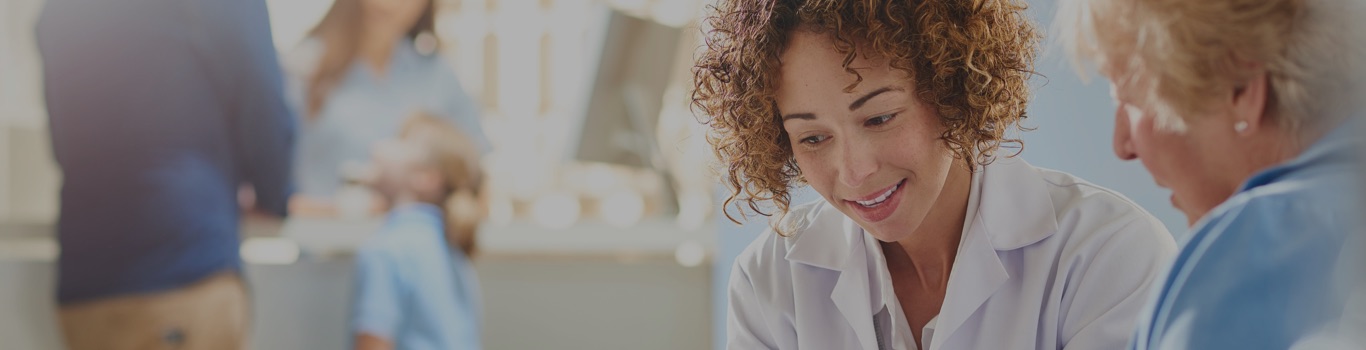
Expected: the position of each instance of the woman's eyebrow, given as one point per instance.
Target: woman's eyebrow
(861, 100)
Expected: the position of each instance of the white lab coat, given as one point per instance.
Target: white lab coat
(1047, 261)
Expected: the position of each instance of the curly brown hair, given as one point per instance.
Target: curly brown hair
(970, 59)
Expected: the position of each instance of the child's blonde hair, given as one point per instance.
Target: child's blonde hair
(454, 154)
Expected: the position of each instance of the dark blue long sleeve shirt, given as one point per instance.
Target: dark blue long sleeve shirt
(159, 110)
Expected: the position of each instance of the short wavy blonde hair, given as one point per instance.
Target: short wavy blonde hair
(1187, 51)
(970, 59)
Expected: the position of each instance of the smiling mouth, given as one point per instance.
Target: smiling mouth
(880, 198)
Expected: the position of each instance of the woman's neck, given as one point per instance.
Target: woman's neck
(376, 49)
(1271, 146)
(935, 243)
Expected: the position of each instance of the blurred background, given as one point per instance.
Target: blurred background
(605, 229)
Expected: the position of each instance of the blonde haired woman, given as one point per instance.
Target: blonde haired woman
(363, 69)
(1248, 110)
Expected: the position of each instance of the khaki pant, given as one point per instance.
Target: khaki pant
(213, 313)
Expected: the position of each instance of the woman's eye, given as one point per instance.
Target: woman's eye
(811, 140)
(879, 120)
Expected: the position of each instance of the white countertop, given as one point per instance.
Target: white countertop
(295, 239)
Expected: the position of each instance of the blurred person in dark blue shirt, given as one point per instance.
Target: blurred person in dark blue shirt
(159, 110)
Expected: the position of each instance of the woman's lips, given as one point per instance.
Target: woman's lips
(882, 209)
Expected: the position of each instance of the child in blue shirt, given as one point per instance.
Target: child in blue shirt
(414, 285)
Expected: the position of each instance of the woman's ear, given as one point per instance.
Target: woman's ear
(1249, 103)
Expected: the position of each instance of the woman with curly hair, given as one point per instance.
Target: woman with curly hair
(894, 111)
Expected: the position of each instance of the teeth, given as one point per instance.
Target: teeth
(881, 198)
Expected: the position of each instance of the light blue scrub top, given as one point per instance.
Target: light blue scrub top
(414, 289)
(1269, 267)
(365, 108)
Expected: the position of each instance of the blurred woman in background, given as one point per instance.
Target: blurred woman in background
(1249, 110)
(366, 66)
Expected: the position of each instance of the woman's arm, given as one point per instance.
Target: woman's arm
(376, 305)
(462, 111)
(263, 124)
(745, 325)
(1109, 281)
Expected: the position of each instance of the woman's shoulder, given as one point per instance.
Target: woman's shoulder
(303, 57)
(1090, 215)
(1074, 195)
(441, 68)
(812, 218)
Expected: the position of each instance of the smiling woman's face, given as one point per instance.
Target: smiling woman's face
(874, 152)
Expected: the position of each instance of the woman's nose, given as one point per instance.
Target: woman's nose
(1123, 139)
(858, 164)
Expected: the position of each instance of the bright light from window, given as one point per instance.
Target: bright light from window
(270, 250)
(556, 210)
(623, 208)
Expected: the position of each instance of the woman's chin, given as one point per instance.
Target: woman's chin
(879, 232)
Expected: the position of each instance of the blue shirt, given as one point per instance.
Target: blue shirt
(1267, 267)
(364, 108)
(413, 288)
(158, 110)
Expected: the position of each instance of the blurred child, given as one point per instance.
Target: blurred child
(414, 285)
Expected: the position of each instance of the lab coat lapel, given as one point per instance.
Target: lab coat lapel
(833, 242)
(830, 241)
(1014, 209)
(852, 294)
(977, 274)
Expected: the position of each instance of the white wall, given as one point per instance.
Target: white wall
(28, 190)
(1075, 122)
(33, 178)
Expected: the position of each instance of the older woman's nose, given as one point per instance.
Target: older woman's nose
(1124, 145)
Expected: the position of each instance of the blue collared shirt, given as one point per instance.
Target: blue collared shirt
(158, 110)
(1266, 268)
(365, 107)
(413, 288)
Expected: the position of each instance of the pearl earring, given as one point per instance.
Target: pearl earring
(1240, 126)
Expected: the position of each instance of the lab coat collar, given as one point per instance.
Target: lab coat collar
(825, 238)
(822, 236)
(1014, 210)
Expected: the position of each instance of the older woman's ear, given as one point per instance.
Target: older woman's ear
(1249, 104)
(1123, 139)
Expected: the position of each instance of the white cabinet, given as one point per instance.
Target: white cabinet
(21, 95)
(28, 174)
